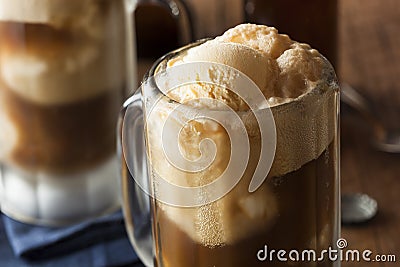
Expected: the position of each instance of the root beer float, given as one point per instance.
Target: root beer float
(62, 81)
(297, 205)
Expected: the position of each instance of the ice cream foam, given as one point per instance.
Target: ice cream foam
(78, 74)
(298, 83)
(57, 13)
(228, 220)
(294, 78)
(262, 70)
(83, 64)
(38, 11)
(265, 39)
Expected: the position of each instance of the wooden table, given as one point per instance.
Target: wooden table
(370, 61)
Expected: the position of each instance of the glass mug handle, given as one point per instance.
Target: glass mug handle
(136, 203)
(178, 10)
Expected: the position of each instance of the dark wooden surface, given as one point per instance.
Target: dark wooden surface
(370, 61)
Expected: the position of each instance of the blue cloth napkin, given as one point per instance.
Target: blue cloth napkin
(94, 243)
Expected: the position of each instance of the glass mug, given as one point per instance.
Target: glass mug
(172, 219)
(65, 67)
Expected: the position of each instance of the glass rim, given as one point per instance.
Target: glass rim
(330, 81)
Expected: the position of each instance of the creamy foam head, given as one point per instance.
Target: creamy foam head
(57, 13)
(82, 15)
(291, 75)
(87, 62)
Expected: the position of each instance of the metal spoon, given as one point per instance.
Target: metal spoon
(357, 208)
(384, 140)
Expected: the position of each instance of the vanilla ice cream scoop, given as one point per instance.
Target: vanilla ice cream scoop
(282, 68)
(258, 67)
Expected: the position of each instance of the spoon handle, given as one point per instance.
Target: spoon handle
(360, 104)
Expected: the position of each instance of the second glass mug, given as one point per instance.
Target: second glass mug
(298, 210)
(65, 67)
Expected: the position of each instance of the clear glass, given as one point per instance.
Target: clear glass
(63, 78)
(297, 210)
